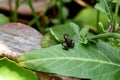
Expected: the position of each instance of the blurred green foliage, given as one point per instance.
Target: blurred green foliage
(3, 19)
(9, 70)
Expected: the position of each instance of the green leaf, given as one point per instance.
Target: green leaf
(3, 19)
(9, 70)
(103, 6)
(55, 21)
(99, 61)
(100, 7)
(48, 40)
(116, 1)
(83, 33)
(65, 12)
(58, 31)
(88, 17)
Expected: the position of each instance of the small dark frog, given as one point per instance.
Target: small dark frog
(68, 43)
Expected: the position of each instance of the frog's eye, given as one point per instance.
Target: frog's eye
(66, 36)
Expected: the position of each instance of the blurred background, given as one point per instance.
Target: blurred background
(41, 14)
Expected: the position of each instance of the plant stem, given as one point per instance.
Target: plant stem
(110, 14)
(10, 7)
(35, 15)
(16, 9)
(31, 22)
(98, 19)
(116, 14)
(105, 35)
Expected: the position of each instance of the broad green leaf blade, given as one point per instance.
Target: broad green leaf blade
(95, 62)
(9, 70)
(55, 34)
(88, 17)
(58, 31)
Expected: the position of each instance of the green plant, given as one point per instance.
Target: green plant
(92, 56)
(35, 15)
(106, 7)
(63, 12)
(35, 20)
(15, 16)
(12, 71)
(3, 19)
(94, 60)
